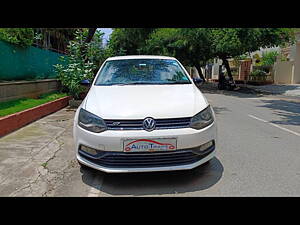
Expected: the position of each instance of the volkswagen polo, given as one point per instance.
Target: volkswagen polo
(142, 114)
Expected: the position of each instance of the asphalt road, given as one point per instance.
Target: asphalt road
(258, 154)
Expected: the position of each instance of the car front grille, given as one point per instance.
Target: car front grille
(138, 124)
(146, 159)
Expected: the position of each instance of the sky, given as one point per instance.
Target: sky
(107, 32)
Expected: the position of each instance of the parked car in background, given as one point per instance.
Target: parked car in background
(142, 114)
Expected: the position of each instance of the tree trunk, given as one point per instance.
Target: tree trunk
(226, 64)
(88, 40)
(198, 67)
(90, 34)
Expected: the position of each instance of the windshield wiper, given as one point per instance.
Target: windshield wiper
(176, 82)
(133, 83)
(180, 82)
(141, 82)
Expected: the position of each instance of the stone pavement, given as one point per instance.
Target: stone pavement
(36, 157)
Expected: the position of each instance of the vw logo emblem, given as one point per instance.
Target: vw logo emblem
(149, 124)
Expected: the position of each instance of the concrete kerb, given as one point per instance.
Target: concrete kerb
(17, 120)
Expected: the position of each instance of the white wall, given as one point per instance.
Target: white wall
(296, 77)
(215, 69)
(283, 72)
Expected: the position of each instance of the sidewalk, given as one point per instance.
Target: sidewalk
(276, 89)
(35, 158)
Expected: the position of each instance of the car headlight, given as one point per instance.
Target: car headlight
(91, 122)
(202, 119)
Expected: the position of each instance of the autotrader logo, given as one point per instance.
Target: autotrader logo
(149, 124)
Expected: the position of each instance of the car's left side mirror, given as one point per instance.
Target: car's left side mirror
(198, 81)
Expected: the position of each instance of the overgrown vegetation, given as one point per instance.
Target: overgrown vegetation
(13, 106)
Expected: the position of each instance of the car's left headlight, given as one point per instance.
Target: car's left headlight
(91, 122)
(202, 119)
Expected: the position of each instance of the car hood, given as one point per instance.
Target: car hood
(140, 101)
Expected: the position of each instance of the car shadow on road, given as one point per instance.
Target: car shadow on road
(159, 183)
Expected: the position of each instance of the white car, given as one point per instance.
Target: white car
(142, 114)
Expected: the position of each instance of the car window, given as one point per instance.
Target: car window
(142, 71)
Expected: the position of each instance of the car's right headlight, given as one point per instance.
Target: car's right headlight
(91, 122)
(202, 119)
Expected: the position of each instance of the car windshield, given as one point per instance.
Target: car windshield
(142, 71)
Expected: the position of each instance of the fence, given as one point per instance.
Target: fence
(17, 63)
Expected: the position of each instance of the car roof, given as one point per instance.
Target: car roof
(139, 57)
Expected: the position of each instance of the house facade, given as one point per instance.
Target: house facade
(288, 71)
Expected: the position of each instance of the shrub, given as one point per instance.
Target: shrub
(71, 75)
(259, 73)
(81, 63)
(269, 58)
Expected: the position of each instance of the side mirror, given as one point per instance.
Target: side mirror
(198, 81)
(85, 83)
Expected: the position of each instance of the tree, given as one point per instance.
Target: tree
(128, 41)
(232, 42)
(19, 36)
(189, 45)
(197, 47)
(54, 38)
(163, 41)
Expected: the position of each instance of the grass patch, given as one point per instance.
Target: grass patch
(13, 106)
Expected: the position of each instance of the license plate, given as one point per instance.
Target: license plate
(149, 145)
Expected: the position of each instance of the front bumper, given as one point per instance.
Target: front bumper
(106, 169)
(112, 142)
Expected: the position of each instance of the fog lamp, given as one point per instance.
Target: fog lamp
(88, 150)
(206, 146)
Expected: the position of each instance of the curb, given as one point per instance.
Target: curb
(17, 120)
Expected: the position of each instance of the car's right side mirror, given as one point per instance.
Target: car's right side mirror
(85, 83)
(198, 81)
